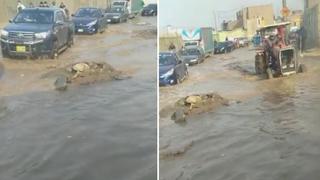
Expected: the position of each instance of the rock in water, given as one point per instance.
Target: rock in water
(61, 83)
(80, 67)
(179, 116)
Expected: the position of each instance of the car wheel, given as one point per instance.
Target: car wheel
(54, 52)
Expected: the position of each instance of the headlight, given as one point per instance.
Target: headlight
(4, 33)
(92, 23)
(151, 11)
(42, 35)
(222, 49)
(116, 17)
(167, 74)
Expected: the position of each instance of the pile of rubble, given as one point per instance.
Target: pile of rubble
(197, 104)
(86, 73)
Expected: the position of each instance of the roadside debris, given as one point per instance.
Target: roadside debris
(197, 104)
(84, 73)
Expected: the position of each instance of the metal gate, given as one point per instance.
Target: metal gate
(310, 22)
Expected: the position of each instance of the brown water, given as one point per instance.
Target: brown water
(101, 131)
(273, 134)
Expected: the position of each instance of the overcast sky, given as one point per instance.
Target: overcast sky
(197, 13)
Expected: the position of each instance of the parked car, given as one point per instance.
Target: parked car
(117, 14)
(243, 42)
(172, 69)
(193, 55)
(89, 20)
(224, 47)
(150, 10)
(36, 32)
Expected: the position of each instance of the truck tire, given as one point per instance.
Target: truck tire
(269, 73)
(54, 52)
(302, 68)
(5, 54)
(259, 64)
(70, 41)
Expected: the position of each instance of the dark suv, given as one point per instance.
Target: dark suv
(36, 32)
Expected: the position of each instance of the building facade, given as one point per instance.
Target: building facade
(311, 23)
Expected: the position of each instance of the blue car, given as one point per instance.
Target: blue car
(172, 70)
(90, 20)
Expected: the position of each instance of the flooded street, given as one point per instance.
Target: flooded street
(269, 131)
(105, 130)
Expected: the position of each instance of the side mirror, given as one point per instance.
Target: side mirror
(102, 15)
(72, 15)
(179, 62)
(10, 20)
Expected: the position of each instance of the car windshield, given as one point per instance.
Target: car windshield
(188, 52)
(151, 6)
(34, 16)
(116, 10)
(222, 44)
(166, 59)
(88, 12)
(118, 3)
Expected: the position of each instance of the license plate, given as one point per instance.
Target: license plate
(80, 30)
(109, 20)
(20, 48)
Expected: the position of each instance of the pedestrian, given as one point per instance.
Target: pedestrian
(31, 5)
(53, 4)
(227, 38)
(41, 4)
(20, 6)
(45, 4)
(66, 11)
(302, 37)
(172, 47)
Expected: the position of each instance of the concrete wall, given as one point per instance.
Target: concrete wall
(8, 7)
(263, 12)
(311, 3)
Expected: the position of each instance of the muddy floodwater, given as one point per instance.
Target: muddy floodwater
(105, 130)
(270, 130)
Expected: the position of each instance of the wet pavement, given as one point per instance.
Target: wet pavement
(105, 130)
(270, 132)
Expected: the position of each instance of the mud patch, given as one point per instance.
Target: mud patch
(146, 34)
(243, 69)
(173, 151)
(197, 104)
(84, 73)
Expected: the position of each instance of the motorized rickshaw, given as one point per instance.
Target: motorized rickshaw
(275, 58)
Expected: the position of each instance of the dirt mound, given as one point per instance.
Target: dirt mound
(197, 104)
(84, 73)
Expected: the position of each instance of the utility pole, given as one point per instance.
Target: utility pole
(284, 3)
(215, 20)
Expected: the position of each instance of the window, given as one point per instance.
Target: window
(60, 17)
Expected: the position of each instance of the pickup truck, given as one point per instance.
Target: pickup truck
(35, 32)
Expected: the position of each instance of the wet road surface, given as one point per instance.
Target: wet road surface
(100, 131)
(270, 132)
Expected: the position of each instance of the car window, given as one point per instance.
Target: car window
(87, 12)
(167, 59)
(60, 17)
(32, 16)
(117, 10)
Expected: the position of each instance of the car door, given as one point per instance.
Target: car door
(180, 67)
(61, 28)
(103, 19)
